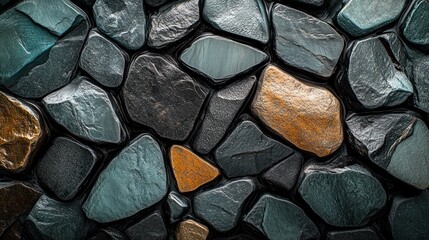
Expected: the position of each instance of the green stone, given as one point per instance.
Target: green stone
(415, 27)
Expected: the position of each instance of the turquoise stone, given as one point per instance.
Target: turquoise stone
(415, 27)
(134, 180)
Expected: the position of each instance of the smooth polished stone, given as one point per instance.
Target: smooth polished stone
(177, 206)
(361, 17)
(220, 58)
(151, 227)
(65, 167)
(307, 115)
(191, 230)
(103, 60)
(396, 142)
(190, 170)
(248, 151)
(420, 68)
(86, 111)
(221, 111)
(122, 20)
(115, 195)
(415, 25)
(280, 219)
(156, 3)
(305, 42)
(108, 234)
(357, 234)
(22, 133)
(167, 100)
(221, 206)
(284, 174)
(244, 18)
(173, 22)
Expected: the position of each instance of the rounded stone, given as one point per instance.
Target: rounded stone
(191, 230)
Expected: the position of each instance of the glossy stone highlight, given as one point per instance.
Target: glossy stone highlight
(177, 205)
(191, 230)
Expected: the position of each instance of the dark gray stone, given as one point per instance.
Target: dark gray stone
(357, 234)
(156, 3)
(311, 3)
(221, 111)
(248, 151)
(415, 25)
(420, 70)
(284, 174)
(305, 42)
(151, 227)
(108, 234)
(161, 96)
(177, 205)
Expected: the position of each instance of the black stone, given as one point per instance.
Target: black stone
(357, 234)
(108, 234)
(156, 3)
(284, 174)
(177, 205)
(151, 227)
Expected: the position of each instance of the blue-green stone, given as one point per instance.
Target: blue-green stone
(177, 205)
(355, 234)
(420, 70)
(415, 27)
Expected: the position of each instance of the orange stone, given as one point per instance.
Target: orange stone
(306, 115)
(190, 170)
(191, 230)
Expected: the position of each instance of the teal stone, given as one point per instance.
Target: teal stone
(361, 17)
(420, 70)
(86, 111)
(355, 234)
(415, 27)
(220, 58)
(134, 180)
(280, 219)
(244, 18)
(342, 196)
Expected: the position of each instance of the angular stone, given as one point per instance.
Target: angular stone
(305, 42)
(342, 196)
(280, 219)
(357, 234)
(284, 174)
(151, 227)
(22, 132)
(220, 58)
(108, 234)
(191, 230)
(123, 20)
(50, 219)
(221, 111)
(408, 217)
(177, 206)
(156, 3)
(190, 170)
(115, 196)
(173, 22)
(361, 17)
(420, 68)
(415, 25)
(161, 96)
(65, 167)
(306, 115)
(394, 44)
(397, 142)
(248, 151)
(221, 206)
(86, 111)
(244, 18)
(103, 60)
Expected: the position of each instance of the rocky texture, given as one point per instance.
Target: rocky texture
(394, 45)
(156, 3)
(305, 42)
(22, 132)
(177, 206)
(306, 115)
(415, 25)
(396, 142)
(108, 234)
(150, 227)
(357, 234)
(191, 230)
(420, 68)
(409, 216)
(114, 196)
(173, 22)
(220, 58)
(248, 151)
(86, 111)
(284, 174)
(280, 219)
(168, 100)
(190, 170)
(221, 206)
(65, 167)
(244, 18)
(123, 20)
(221, 111)
(103, 60)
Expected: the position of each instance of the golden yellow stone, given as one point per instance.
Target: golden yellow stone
(306, 115)
(191, 230)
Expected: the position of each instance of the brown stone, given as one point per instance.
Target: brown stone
(306, 115)
(191, 230)
(190, 170)
(21, 133)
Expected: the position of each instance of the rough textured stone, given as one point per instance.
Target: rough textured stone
(114, 196)
(396, 142)
(156, 3)
(122, 20)
(284, 174)
(415, 26)
(86, 111)
(306, 115)
(190, 170)
(357, 234)
(151, 227)
(221, 206)
(394, 45)
(65, 167)
(191, 230)
(220, 58)
(420, 78)
(221, 111)
(108, 234)
(21, 133)
(173, 22)
(159, 95)
(103, 60)
(177, 205)
(280, 219)
(305, 42)
(244, 18)
(248, 151)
